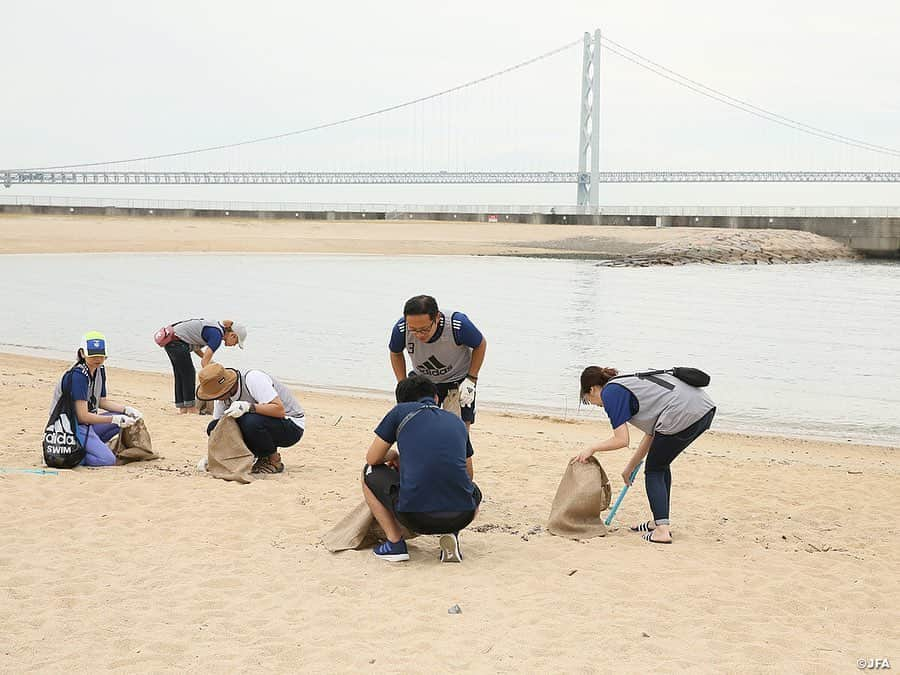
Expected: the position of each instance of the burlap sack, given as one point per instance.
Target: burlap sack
(358, 529)
(583, 494)
(451, 402)
(228, 456)
(133, 444)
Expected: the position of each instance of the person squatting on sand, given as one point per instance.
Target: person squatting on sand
(203, 338)
(671, 413)
(266, 411)
(451, 359)
(425, 484)
(86, 382)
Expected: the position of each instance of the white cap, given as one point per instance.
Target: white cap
(241, 333)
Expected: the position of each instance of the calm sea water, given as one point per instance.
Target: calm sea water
(801, 350)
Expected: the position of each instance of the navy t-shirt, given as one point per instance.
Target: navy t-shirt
(619, 403)
(433, 449)
(467, 334)
(80, 386)
(212, 336)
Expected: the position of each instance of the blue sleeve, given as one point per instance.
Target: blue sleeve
(398, 337)
(102, 382)
(212, 336)
(78, 385)
(387, 428)
(464, 331)
(617, 403)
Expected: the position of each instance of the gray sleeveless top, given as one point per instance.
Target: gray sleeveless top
(95, 388)
(191, 331)
(292, 407)
(442, 360)
(662, 410)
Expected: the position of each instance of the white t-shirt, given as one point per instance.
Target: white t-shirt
(260, 386)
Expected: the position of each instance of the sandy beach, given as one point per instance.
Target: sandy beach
(21, 233)
(785, 552)
(785, 555)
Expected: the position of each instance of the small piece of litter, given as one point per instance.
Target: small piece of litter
(644, 634)
(454, 610)
(571, 572)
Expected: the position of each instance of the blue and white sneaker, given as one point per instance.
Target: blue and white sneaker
(391, 552)
(450, 551)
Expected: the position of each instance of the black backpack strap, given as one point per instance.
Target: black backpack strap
(650, 375)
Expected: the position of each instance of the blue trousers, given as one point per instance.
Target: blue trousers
(657, 475)
(94, 438)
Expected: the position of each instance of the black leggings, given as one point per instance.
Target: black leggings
(264, 435)
(657, 475)
(180, 355)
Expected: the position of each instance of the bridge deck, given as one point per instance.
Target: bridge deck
(9, 178)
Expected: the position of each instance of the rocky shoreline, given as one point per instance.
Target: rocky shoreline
(738, 247)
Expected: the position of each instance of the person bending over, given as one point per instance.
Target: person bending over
(444, 347)
(202, 338)
(425, 483)
(671, 413)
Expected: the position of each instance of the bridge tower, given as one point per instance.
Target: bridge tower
(589, 135)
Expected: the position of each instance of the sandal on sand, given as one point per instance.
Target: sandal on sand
(649, 537)
(644, 527)
(264, 466)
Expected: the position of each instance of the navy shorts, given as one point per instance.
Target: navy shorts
(384, 482)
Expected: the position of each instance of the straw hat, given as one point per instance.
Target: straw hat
(215, 381)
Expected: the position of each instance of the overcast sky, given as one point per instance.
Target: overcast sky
(93, 81)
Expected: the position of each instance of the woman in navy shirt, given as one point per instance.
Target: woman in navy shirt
(86, 382)
(201, 337)
(671, 413)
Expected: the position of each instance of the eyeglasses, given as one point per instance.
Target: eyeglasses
(420, 331)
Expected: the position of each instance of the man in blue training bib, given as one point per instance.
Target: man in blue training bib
(444, 347)
(425, 484)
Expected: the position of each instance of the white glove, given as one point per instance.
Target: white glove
(133, 412)
(466, 393)
(237, 409)
(122, 420)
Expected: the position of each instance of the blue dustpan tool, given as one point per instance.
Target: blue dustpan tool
(615, 507)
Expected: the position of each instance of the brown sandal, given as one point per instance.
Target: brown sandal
(265, 466)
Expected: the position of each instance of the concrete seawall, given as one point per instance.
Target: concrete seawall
(871, 237)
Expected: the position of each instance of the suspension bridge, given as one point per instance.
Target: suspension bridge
(587, 178)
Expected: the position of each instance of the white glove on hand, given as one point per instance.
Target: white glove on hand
(133, 412)
(466, 393)
(237, 409)
(122, 420)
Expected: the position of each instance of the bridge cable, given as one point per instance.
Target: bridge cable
(319, 127)
(744, 106)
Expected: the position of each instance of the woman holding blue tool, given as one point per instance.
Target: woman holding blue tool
(670, 412)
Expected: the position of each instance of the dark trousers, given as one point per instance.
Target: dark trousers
(384, 482)
(264, 435)
(180, 355)
(657, 472)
